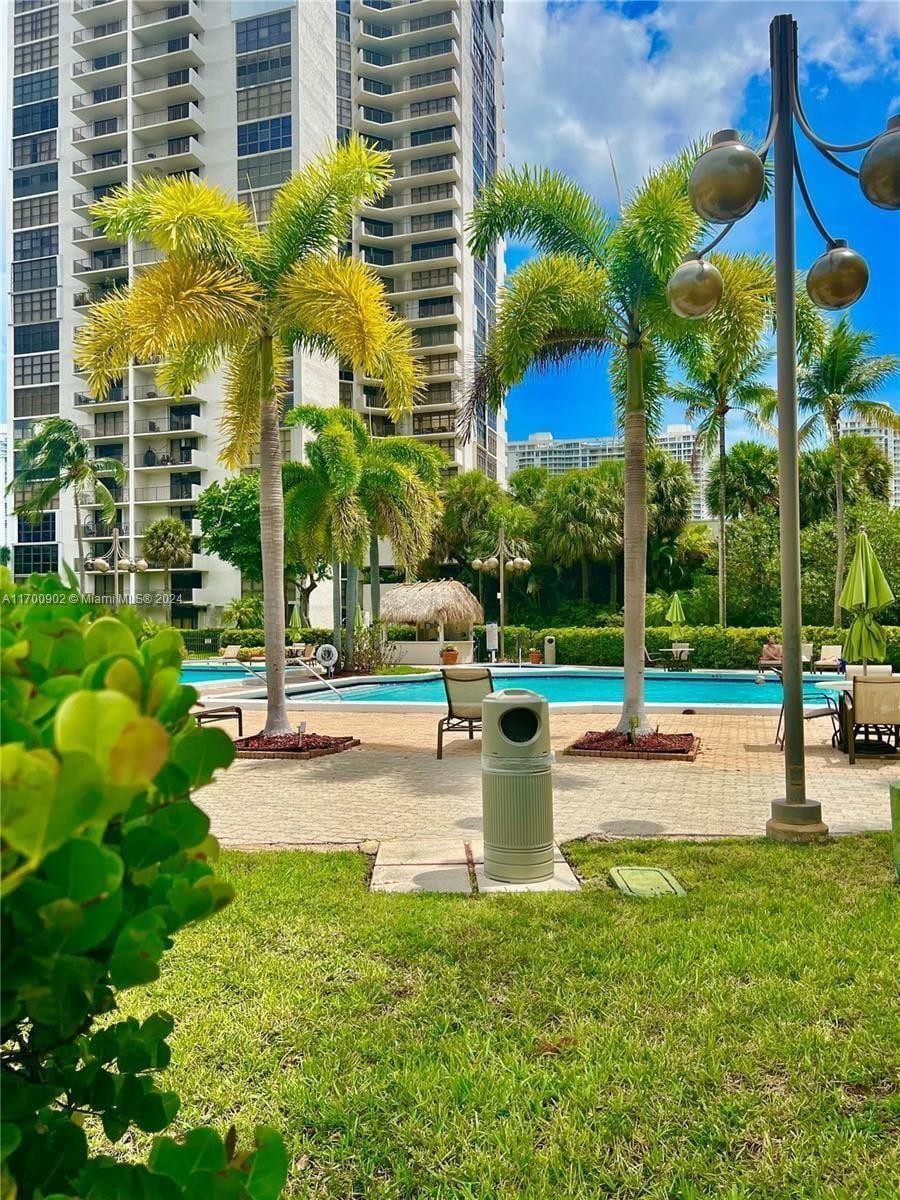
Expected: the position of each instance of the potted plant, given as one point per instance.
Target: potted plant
(535, 656)
(449, 656)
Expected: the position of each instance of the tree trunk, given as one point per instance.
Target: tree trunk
(80, 535)
(634, 718)
(336, 604)
(722, 604)
(304, 588)
(839, 521)
(167, 589)
(614, 581)
(351, 606)
(585, 579)
(271, 528)
(375, 578)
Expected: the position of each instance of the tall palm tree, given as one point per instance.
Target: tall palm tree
(724, 370)
(230, 292)
(598, 285)
(578, 522)
(167, 544)
(56, 459)
(838, 384)
(751, 481)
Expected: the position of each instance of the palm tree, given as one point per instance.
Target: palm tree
(838, 384)
(670, 495)
(578, 522)
(56, 459)
(724, 369)
(230, 292)
(751, 481)
(243, 612)
(596, 286)
(167, 544)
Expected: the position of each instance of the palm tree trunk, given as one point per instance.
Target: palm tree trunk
(79, 533)
(351, 606)
(839, 521)
(722, 606)
(614, 580)
(375, 579)
(634, 718)
(585, 579)
(336, 603)
(271, 528)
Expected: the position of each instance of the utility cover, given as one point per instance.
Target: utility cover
(645, 881)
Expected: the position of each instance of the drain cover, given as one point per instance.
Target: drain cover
(645, 881)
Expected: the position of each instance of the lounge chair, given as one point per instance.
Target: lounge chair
(829, 658)
(651, 660)
(222, 712)
(465, 691)
(875, 709)
(229, 653)
(806, 654)
(772, 657)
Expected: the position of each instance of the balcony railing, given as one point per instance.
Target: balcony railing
(184, 457)
(168, 12)
(97, 31)
(114, 396)
(159, 83)
(98, 129)
(163, 116)
(99, 96)
(175, 45)
(169, 149)
(115, 262)
(170, 424)
(100, 162)
(102, 63)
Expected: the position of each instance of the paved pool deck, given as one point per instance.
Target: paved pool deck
(393, 787)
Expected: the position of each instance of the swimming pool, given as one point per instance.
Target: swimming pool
(212, 674)
(584, 686)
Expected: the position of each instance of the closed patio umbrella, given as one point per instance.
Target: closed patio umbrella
(675, 613)
(295, 624)
(865, 592)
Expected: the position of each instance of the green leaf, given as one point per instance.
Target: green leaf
(143, 846)
(201, 1151)
(199, 752)
(183, 821)
(157, 1111)
(123, 676)
(108, 636)
(82, 870)
(268, 1166)
(9, 1139)
(92, 722)
(138, 754)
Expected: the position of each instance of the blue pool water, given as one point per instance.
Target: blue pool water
(221, 674)
(684, 689)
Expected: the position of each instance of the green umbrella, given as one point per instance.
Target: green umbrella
(295, 624)
(675, 614)
(865, 592)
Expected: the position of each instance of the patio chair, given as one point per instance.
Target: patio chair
(681, 656)
(872, 671)
(465, 691)
(222, 712)
(651, 660)
(229, 653)
(806, 654)
(829, 711)
(771, 657)
(829, 658)
(875, 709)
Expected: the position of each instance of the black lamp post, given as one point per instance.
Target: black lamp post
(726, 183)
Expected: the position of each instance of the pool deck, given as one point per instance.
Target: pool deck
(393, 787)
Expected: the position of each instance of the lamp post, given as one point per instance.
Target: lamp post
(726, 183)
(502, 561)
(115, 559)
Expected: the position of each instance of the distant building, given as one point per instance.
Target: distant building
(566, 454)
(4, 476)
(888, 440)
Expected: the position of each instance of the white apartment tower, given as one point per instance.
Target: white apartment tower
(239, 93)
(887, 440)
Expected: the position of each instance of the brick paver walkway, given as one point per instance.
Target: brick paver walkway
(393, 787)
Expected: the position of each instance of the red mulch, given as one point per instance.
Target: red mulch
(648, 743)
(296, 742)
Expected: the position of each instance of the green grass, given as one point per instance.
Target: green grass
(740, 1042)
(402, 669)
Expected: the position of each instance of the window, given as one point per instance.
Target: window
(35, 57)
(377, 87)
(40, 558)
(33, 117)
(36, 25)
(436, 191)
(41, 530)
(378, 116)
(440, 364)
(265, 101)
(378, 228)
(425, 250)
(435, 335)
(43, 211)
(437, 162)
(31, 181)
(265, 66)
(35, 274)
(35, 339)
(376, 257)
(424, 108)
(437, 277)
(427, 78)
(36, 402)
(264, 172)
(424, 137)
(34, 306)
(43, 85)
(36, 368)
(438, 306)
(425, 221)
(429, 48)
(36, 243)
(262, 136)
(438, 393)
(429, 22)
(274, 29)
(40, 147)
(434, 423)
(259, 202)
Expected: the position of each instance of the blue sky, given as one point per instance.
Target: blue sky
(648, 78)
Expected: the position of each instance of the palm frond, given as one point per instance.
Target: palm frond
(654, 378)
(184, 300)
(103, 344)
(542, 207)
(244, 384)
(188, 363)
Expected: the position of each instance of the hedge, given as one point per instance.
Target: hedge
(254, 638)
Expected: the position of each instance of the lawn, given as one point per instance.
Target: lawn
(739, 1042)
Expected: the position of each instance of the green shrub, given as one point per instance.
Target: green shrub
(202, 641)
(105, 857)
(254, 638)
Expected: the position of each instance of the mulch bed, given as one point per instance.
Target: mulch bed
(608, 743)
(292, 745)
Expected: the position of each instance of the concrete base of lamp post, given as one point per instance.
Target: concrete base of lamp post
(796, 822)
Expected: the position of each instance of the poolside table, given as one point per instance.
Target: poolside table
(684, 663)
(844, 689)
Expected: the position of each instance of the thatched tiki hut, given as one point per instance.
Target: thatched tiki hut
(443, 612)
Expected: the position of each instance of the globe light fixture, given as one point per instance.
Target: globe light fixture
(491, 564)
(695, 288)
(879, 171)
(141, 564)
(727, 179)
(505, 564)
(837, 278)
(101, 565)
(89, 564)
(477, 564)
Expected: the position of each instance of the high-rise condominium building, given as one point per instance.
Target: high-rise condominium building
(239, 93)
(567, 454)
(888, 440)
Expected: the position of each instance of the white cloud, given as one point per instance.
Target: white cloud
(581, 74)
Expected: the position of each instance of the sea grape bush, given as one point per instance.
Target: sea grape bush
(105, 856)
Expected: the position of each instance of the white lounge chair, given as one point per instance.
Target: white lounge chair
(229, 653)
(829, 658)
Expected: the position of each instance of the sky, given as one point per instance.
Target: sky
(643, 79)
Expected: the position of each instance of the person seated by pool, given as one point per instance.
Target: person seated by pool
(772, 653)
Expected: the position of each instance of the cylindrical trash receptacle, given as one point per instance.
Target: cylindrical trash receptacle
(550, 650)
(516, 786)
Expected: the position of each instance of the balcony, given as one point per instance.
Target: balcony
(100, 71)
(180, 51)
(418, 258)
(175, 154)
(171, 459)
(171, 88)
(408, 117)
(431, 168)
(170, 423)
(146, 256)
(101, 530)
(169, 19)
(91, 237)
(428, 54)
(105, 427)
(145, 393)
(115, 396)
(398, 37)
(168, 493)
(100, 135)
(108, 167)
(101, 103)
(98, 12)
(103, 264)
(185, 120)
(102, 38)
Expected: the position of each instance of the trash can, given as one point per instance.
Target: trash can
(550, 650)
(516, 786)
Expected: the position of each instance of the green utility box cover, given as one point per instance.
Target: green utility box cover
(645, 881)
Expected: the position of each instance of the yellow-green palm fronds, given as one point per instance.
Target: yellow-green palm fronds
(744, 314)
(244, 389)
(402, 374)
(181, 215)
(104, 345)
(182, 300)
(187, 364)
